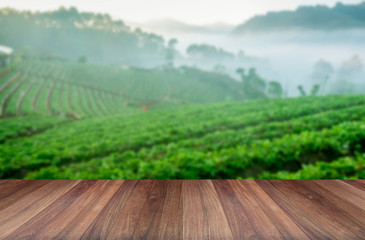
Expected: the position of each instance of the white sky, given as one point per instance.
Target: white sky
(189, 11)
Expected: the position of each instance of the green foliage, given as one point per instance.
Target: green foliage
(82, 59)
(253, 85)
(302, 91)
(225, 140)
(275, 90)
(170, 53)
(315, 90)
(343, 168)
(205, 51)
(24, 126)
(75, 90)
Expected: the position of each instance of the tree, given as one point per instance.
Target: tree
(208, 52)
(241, 72)
(82, 59)
(315, 90)
(256, 81)
(253, 84)
(322, 72)
(302, 91)
(170, 53)
(275, 90)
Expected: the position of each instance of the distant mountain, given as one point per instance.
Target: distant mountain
(171, 26)
(317, 17)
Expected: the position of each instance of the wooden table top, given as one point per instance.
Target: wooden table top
(182, 209)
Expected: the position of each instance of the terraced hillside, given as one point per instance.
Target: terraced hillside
(57, 88)
(314, 137)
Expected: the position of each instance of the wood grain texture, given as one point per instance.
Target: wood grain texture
(15, 190)
(193, 214)
(292, 209)
(182, 209)
(29, 206)
(125, 224)
(32, 228)
(311, 205)
(212, 209)
(356, 183)
(316, 209)
(83, 220)
(351, 210)
(150, 218)
(240, 224)
(172, 213)
(259, 220)
(345, 191)
(285, 225)
(103, 224)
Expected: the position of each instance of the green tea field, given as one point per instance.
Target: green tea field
(71, 120)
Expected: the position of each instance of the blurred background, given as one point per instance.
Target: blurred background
(164, 89)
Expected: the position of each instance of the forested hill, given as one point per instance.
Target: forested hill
(70, 34)
(317, 17)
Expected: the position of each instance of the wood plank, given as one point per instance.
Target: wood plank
(150, 218)
(158, 209)
(182, 209)
(259, 220)
(360, 184)
(126, 222)
(343, 191)
(11, 194)
(238, 222)
(203, 215)
(321, 203)
(57, 224)
(172, 212)
(285, 225)
(351, 210)
(355, 191)
(311, 205)
(311, 228)
(101, 226)
(76, 228)
(195, 225)
(23, 210)
(3, 181)
(11, 186)
(212, 209)
(32, 227)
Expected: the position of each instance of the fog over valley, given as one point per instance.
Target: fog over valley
(286, 56)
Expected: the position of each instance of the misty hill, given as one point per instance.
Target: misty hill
(317, 17)
(70, 34)
(172, 26)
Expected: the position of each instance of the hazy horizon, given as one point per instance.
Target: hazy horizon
(230, 11)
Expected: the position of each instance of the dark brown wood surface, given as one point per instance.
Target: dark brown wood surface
(182, 209)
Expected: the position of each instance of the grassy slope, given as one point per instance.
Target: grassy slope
(199, 141)
(51, 87)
